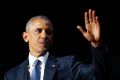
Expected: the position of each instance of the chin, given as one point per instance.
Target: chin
(43, 50)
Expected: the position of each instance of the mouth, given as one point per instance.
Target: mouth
(43, 42)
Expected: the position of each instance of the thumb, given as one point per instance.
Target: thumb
(81, 29)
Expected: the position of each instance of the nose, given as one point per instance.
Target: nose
(43, 34)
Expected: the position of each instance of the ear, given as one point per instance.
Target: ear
(25, 36)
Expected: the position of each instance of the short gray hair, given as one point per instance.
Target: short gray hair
(37, 17)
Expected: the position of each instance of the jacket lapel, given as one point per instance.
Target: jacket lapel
(50, 68)
(23, 73)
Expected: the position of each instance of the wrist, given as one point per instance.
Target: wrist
(96, 44)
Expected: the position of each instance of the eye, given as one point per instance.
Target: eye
(38, 30)
(48, 31)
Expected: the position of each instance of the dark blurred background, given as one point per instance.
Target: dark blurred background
(67, 39)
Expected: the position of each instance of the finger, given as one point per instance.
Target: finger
(90, 15)
(96, 19)
(81, 29)
(93, 16)
(86, 18)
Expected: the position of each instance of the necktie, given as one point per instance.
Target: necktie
(36, 71)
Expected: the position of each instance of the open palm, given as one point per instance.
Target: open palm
(92, 32)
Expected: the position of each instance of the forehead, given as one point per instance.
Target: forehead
(41, 23)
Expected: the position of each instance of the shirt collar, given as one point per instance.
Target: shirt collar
(41, 58)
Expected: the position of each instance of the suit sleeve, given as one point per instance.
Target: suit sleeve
(99, 59)
(5, 76)
(94, 71)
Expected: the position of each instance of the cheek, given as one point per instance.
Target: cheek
(50, 39)
(32, 39)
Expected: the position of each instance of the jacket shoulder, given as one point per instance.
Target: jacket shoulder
(68, 60)
(13, 71)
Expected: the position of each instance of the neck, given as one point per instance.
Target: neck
(37, 54)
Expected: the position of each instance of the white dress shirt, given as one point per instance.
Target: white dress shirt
(43, 59)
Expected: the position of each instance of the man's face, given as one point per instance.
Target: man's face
(39, 35)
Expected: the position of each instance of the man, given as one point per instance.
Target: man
(39, 35)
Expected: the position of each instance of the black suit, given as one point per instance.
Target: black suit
(64, 68)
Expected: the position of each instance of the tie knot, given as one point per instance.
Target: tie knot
(37, 63)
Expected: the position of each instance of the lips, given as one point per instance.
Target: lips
(42, 42)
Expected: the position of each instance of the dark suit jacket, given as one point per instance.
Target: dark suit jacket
(64, 68)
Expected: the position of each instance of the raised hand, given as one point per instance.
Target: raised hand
(92, 32)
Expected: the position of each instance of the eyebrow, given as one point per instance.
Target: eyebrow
(46, 30)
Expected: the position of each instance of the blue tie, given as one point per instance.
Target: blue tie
(36, 71)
